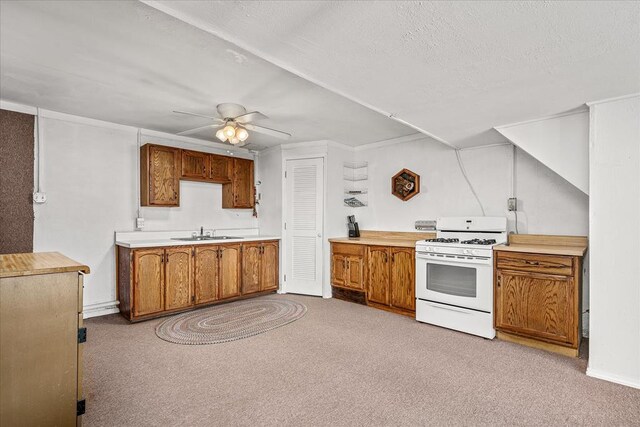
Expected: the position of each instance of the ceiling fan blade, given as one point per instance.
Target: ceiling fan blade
(198, 129)
(267, 131)
(250, 117)
(218, 119)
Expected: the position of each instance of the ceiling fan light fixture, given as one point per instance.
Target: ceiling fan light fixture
(229, 131)
(234, 140)
(220, 135)
(242, 134)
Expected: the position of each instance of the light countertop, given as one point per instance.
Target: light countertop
(543, 249)
(161, 242)
(376, 241)
(28, 264)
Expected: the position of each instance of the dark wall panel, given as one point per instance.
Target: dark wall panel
(16, 182)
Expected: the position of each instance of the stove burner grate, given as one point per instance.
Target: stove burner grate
(479, 242)
(443, 240)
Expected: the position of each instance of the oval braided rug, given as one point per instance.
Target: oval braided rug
(230, 322)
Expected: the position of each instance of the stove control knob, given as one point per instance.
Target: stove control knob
(474, 252)
(466, 251)
(429, 249)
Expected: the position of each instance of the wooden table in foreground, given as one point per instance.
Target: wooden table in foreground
(40, 339)
(538, 291)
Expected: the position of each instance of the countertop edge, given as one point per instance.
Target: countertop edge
(543, 249)
(169, 242)
(375, 242)
(70, 267)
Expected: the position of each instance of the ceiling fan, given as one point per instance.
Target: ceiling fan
(234, 123)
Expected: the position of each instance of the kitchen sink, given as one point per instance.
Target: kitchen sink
(201, 238)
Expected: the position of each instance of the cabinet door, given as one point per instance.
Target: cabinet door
(164, 176)
(338, 270)
(230, 272)
(206, 274)
(178, 278)
(250, 268)
(402, 278)
(355, 272)
(221, 167)
(148, 286)
(536, 305)
(378, 267)
(195, 165)
(239, 193)
(269, 266)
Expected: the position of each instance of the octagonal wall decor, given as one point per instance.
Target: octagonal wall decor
(405, 184)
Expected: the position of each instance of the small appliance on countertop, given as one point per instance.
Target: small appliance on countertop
(454, 274)
(352, 225)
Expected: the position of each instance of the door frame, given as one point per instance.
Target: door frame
(326, 288)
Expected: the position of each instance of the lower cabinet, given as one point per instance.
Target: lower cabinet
(402, 279)
(260, 267)
(156, 281)
(178, 278)
(382, 276)
(378, 277)
(230, 263)
(217, 274)
(348, 266)
(148, 284)
(537, 297)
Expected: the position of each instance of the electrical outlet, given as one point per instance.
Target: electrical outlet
(139, 223)
(39, 197)
(512, 204)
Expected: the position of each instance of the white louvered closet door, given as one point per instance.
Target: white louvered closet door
(304, 218)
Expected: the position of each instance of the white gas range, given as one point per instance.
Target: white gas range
(454, 274)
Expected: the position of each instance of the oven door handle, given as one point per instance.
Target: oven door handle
(448, 307)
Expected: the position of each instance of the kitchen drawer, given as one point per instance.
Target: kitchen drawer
(536, 263)
(347, 249)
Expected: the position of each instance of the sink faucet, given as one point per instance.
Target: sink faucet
(201, 231)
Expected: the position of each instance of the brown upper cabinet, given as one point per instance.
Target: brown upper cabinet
(162, 168)
(221, 168)
(238, 194)
(195, 165)
(159, 175)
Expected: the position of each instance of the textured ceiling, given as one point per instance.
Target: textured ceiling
(455, 69)
(128, 63)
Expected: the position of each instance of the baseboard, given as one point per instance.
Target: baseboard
(101, 309)
(595, 373)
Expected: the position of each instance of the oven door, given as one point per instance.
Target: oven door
(462, 283)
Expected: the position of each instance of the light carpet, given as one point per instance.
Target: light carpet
(341, 364)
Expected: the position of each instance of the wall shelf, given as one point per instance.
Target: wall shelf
(356, 177)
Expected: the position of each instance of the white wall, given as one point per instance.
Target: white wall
(547, 203)
(89, 174)
(560, 142)
(614, 344)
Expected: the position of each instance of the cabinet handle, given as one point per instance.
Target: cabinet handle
(175, 194)
(167, 257)
(386, 257)
(499, 281)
